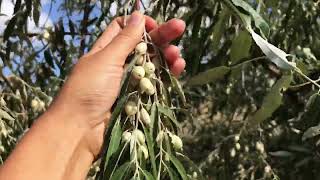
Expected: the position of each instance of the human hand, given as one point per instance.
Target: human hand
(93, 86)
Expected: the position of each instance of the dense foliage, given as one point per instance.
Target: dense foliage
(251, 118)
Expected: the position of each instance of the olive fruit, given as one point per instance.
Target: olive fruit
(143, 150)
(138, 72)
(145, 117)
(138, 135)
(141, 48)
(159, 137)
(126, 136)
(131, 108)
(176, 142)
(35, 105)
(146, 86)
(149, 68)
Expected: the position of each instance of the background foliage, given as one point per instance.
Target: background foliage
(250, 119)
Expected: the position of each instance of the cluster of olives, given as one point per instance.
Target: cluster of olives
(143, 73)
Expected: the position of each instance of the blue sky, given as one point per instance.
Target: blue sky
(48, 19)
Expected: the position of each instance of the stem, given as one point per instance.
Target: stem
(249, 61)
(304, 84)
(84, 29)
(306, 77)
(119, 158)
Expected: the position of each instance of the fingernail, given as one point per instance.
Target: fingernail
(135, 18)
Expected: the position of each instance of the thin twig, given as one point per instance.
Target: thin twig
(306, 77)
(84, 29)
(249, 61)
(303, 84)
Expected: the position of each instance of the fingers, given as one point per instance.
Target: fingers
(125, 42)
(171, 53)
(167, 32)
(150, 24)
(162, 36)
(178, 66)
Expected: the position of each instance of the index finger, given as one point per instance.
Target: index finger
(168, 32)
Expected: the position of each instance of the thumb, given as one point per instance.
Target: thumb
(125, 42)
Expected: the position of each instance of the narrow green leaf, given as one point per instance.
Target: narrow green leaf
(276, 55)
(48, 58)
(258, 20)
(178, 88)
(147, 175)
(179, 167)
(153, 116)
(126, 76)
(17, 6)
(209, 76)
(150, 144)
(219, 28)
(271, 101)
(169, 113)
(113, 120)
(193, 166)
(121, 171)
(115, 140)
(240, 47)
(28, 4)
(246, 19)
(283, 154)
(36, 11)
(172, 174)
(72, 28)
(10, 27)
(5, 115)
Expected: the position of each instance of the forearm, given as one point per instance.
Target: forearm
(50, 150)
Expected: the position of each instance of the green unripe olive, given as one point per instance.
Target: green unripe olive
(146, 86)
(139, 136)
(145, 117)
(141, 48)
(143, 150)
(176, 142)
(126, 136)
(149, 68)
(35, 104)
(138, 72)
(131, 108)
(42, 105)
(160, 137)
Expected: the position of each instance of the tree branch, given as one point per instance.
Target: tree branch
(84, 29)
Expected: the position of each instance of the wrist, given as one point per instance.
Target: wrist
(79, 164)
(90, 128)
